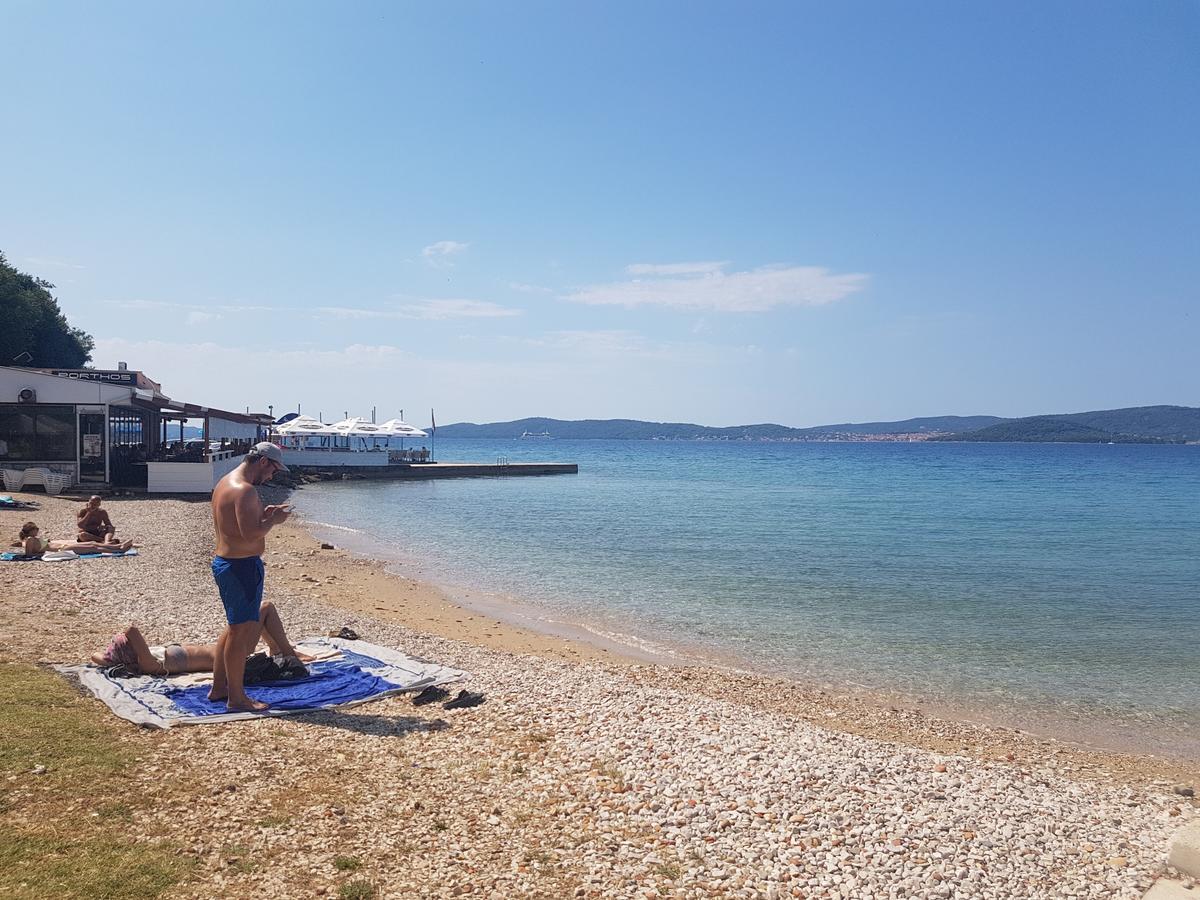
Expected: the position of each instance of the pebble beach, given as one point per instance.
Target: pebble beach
(586, 773)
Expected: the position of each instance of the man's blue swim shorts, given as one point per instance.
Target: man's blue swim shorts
(240, 582)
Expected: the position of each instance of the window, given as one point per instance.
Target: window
(37, 433)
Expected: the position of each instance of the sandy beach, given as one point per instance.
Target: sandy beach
(586, 773)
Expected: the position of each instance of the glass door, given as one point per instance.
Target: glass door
(92, 447)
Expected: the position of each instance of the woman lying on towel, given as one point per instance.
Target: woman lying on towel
(129, 649)
(33, 544)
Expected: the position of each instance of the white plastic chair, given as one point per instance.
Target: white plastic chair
(14, 479)
(55, 482)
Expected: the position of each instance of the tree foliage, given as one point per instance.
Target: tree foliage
(32, 323)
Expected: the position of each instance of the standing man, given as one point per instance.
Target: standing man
(242, 523)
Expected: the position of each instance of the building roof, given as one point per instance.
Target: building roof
(142, 393)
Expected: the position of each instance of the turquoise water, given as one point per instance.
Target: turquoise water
(1029, 583)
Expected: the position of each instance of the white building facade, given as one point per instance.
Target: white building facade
(115, 429)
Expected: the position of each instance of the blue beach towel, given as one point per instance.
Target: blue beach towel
(331, 683)
(13, 556)
(361, 672)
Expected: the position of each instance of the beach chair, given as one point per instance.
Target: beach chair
(53, 482)
(14, 479)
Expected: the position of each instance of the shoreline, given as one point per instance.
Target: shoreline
(477, 619)
(584, 774)
(458, 611)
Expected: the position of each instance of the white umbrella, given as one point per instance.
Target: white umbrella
(358, 427)
(398, 428)
(303, 425)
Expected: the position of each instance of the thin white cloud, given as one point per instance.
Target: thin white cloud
(459, 309)
(197, 317)
(529, 288)
(614, 341)
(755, 290)
(51, 263)
(439, 253)
(143, 305)
(685, 268)
(423, 309)
(613, 347)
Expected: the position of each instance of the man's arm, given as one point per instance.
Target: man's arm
(253, 521)
(105, 521)
(79, 515)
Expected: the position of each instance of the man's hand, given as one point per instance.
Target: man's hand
(276, 513)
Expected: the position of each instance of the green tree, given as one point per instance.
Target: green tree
(32, 323)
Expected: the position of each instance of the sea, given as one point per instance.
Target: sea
(1049, 587)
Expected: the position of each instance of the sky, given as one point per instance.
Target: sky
(722, 213)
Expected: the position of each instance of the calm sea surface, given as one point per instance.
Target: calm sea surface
(1053, 586)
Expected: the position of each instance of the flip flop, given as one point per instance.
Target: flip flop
(346, 634)
(431, 694)
(465, 700)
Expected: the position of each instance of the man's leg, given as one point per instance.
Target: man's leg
(240, 643)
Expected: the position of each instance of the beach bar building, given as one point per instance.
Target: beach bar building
(97, 428)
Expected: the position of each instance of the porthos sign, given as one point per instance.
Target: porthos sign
(108, 377)
(124, 377)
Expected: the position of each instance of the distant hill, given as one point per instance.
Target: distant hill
(933, 424)
(633, 429)
(1138, 424)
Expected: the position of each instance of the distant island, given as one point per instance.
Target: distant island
(1137, 425)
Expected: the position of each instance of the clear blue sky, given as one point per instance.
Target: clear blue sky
(722, 213)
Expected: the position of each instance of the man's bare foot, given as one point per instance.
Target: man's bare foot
(125, 545)
(304, 657)
(247, 705)
(217, 696)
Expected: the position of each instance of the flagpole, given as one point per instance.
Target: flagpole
(432, 440)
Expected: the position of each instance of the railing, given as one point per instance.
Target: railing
(408, 456)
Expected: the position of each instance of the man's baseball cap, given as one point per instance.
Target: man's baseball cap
(271, 452)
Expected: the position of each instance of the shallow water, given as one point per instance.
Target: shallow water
(1027, 582)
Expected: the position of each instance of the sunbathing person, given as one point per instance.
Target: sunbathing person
(94, 524)
(33, 544)
(129, 649)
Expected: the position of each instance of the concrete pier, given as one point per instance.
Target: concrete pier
(400, 471)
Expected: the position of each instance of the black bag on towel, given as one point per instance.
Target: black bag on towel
(261, 668)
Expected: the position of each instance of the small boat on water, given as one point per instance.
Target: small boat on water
(532, 434)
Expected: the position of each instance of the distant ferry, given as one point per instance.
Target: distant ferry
(531, 434)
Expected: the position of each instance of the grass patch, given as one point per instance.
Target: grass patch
(115, 812)
(346, 864)
(357, 890)
(44, 723)
(275, 820)
(46, 849)
(667, 870)
(238, 858)
(36, 865)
